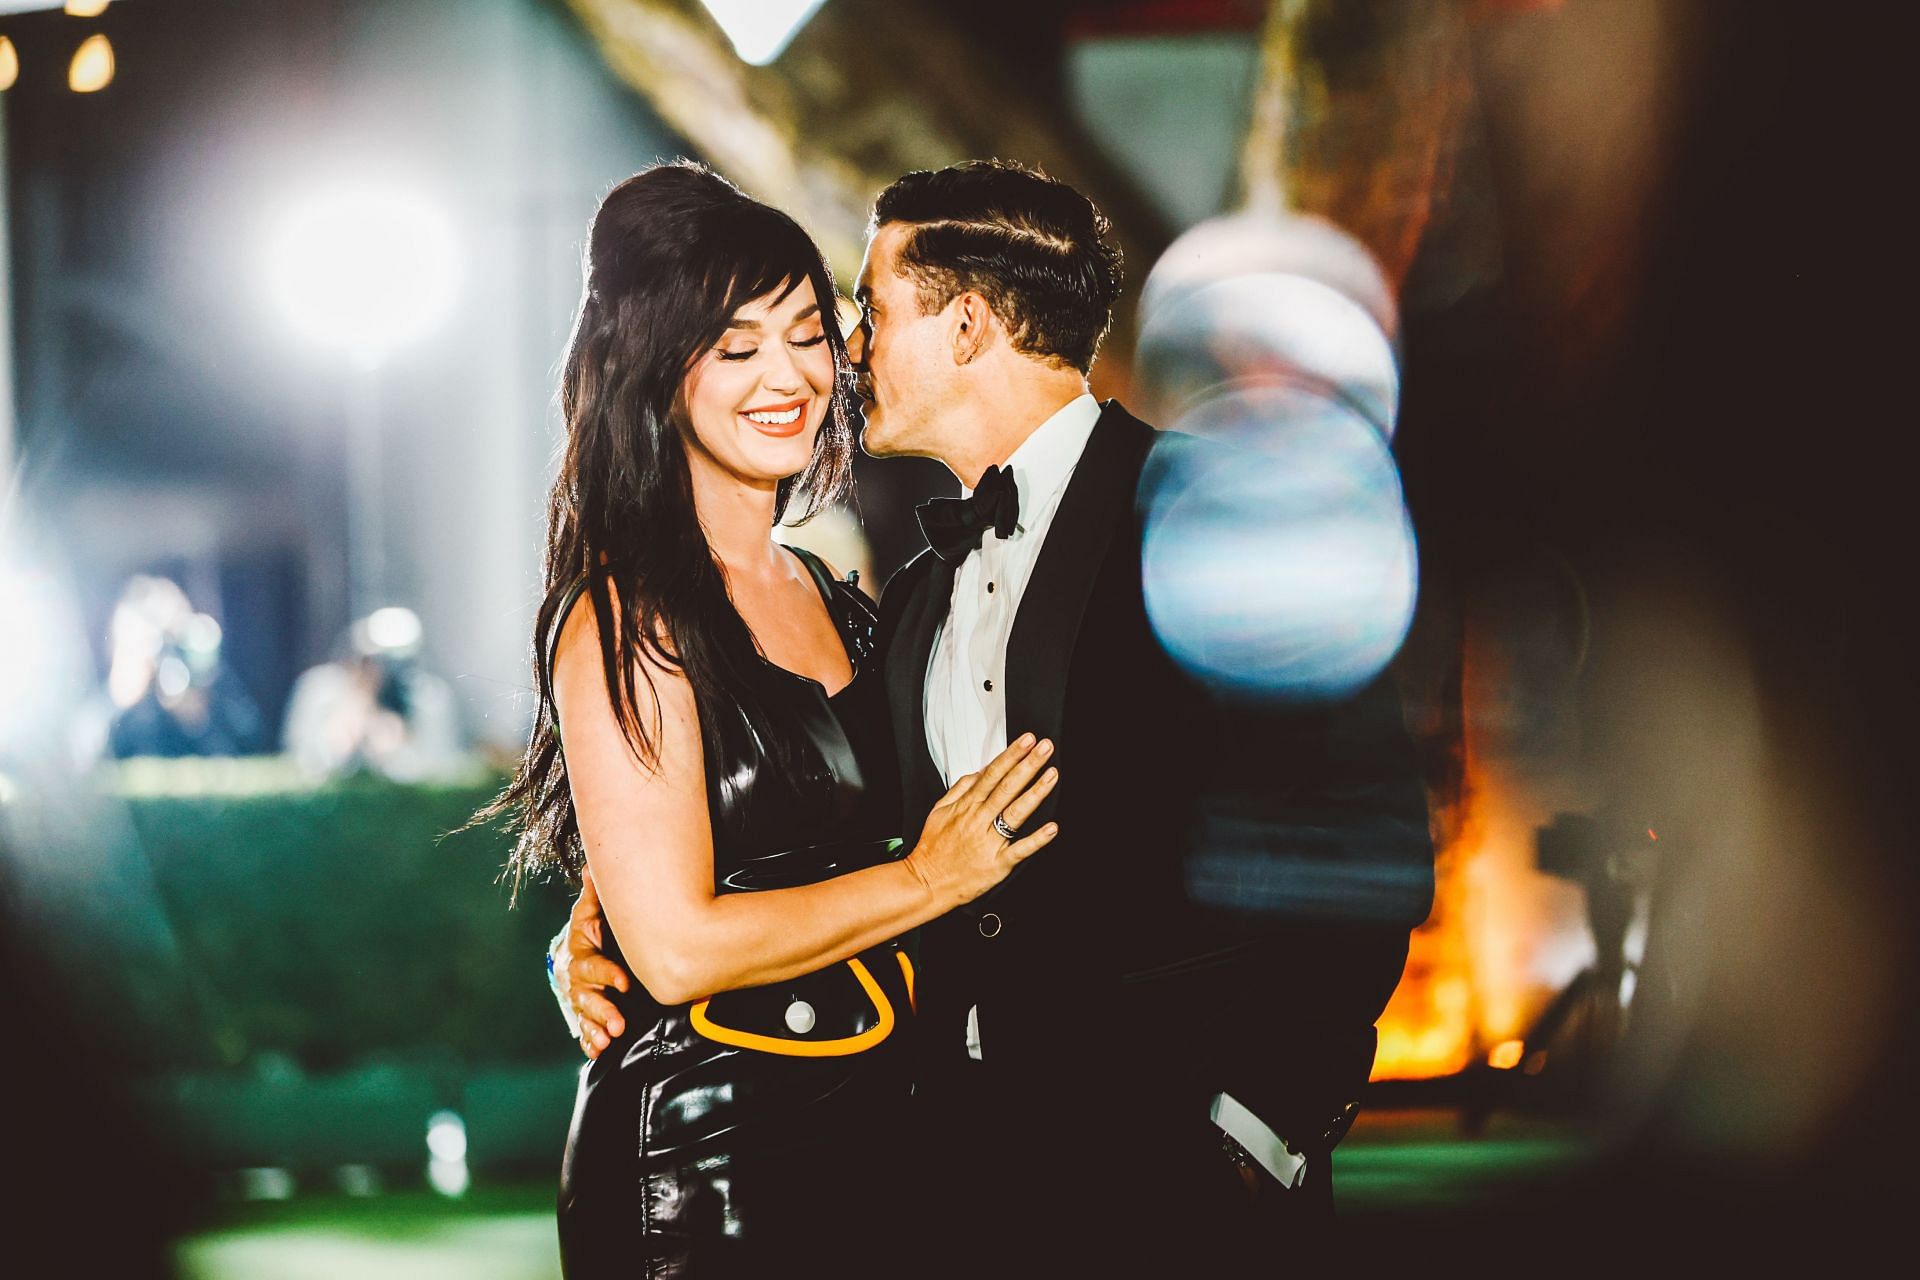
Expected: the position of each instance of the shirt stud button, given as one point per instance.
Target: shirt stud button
(987, 685)
(989, 588)
(799, 1017)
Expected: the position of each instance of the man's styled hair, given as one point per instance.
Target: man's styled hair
(1037, 250)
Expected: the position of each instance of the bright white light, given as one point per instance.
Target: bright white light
(364, 270)
(33, 660)
(449, 1177)
(447, 1136)
(761, 29)
(447, 1144)
(24, 642)
(393, 628)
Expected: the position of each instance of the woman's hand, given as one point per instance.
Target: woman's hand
(961, 853)
(583, 974)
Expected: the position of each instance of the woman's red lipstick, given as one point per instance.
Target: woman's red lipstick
(798, 408)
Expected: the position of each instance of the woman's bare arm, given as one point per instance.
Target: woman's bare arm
(649, 845)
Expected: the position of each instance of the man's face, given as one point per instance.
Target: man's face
(904, 359)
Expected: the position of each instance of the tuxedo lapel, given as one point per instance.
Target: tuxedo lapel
(1040, 650)
(928, 595)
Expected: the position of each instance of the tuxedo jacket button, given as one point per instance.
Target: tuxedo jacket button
(990, 925)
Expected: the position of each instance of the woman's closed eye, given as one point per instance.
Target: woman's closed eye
(750, 352)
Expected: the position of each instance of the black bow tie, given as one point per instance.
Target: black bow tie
(954, 526)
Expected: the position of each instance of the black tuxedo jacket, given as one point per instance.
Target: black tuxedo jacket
(1101, 977)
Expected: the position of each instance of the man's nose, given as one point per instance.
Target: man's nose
(857, 347)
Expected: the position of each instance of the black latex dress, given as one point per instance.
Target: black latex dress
(693, 1152)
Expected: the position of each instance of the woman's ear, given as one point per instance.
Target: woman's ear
(972, 320)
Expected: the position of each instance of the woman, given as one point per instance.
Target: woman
(712, 747)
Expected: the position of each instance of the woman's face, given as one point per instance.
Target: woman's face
(755, 401)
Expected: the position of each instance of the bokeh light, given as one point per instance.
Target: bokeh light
(1268, 326)
(363, 269)
(760, 30)
(1283, 563)
(43, 670)
(447, 1170)
(92, 67)
(27, 648)
(1291, 244)
(394, 630)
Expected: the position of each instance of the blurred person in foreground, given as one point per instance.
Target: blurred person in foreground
(712, 753)
(377, 709)
(1108, 1074)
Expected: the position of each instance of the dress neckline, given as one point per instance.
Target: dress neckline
(821, 584)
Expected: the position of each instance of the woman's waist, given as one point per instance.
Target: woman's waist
(837, 1010)
(759, 1056)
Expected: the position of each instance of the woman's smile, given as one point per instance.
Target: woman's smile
(788, 419)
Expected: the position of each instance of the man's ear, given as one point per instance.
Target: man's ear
(973, 319)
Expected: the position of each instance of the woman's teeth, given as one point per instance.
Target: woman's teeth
(776, 419)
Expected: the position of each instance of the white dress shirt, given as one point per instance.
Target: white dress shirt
(965, 702)
(965, 699)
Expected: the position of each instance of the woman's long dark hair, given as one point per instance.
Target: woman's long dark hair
(672, 255)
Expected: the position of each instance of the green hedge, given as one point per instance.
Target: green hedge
(321, 926)
(516, 1118)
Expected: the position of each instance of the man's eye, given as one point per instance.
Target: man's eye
(748, 354)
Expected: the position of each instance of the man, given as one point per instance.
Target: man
(1111, 1073)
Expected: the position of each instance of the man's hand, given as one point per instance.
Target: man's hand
(582, 973)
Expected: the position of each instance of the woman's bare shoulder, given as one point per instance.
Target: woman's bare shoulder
(578, 664)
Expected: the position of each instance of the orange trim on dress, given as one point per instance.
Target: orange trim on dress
(906, 971)
(806, 1048)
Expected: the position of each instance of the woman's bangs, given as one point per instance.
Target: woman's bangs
(779, 260)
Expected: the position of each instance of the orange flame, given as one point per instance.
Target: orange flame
(1473, 979)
